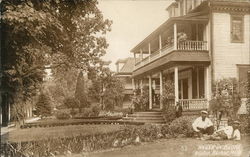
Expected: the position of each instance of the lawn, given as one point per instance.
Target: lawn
(179, 147)
(31, 134)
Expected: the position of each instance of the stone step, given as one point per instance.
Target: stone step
(145, 115)
(147, 121)
(147, 118)
(148, 113)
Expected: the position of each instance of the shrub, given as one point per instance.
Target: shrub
(140, 100)
(95, 110)
(168, 100)
(86, 112)
(62, 115)
(43, 105)
(149, 132)
(71, 102)
(182, 126)
(226, 98)
(244, 127)
(168, 110)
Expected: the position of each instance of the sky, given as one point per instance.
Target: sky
(133, 20)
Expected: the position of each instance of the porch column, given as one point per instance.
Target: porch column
(141, 54)
(176, 88)
(133, 83)
(198, 81)
(150, 91)
(175, 36)
(149, 51)
(141, 85)
(161, 89)
(160, 44)
(135, 57)
(207, 84)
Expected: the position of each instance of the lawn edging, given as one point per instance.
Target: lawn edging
(79, 122)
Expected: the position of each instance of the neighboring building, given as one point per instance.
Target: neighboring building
(202, 41)
(124, 69)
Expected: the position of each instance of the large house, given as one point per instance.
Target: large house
(124, 69)
(201, 42)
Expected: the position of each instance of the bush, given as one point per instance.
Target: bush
(82, 143)
(244, 126)
(43, 105)
(95, 110)
(168, 110)
(62, 115)
(182, 126)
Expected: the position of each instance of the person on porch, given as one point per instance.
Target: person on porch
(203, 125)
(227, 133)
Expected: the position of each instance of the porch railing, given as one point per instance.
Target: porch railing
(184, 45)
(193, 104)
(192, 45)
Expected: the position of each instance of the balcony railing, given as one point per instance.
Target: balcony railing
(193, 104)
(192, 45)
(184, 45)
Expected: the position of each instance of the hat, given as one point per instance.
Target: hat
(203, 111)
(236, 122)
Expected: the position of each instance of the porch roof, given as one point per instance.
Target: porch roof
(174, 58)
(196, 17)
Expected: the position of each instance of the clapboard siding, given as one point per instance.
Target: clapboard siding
(226, 54)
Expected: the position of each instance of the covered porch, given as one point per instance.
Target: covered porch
(191, 86)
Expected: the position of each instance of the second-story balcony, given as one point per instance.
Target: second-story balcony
(184, 35)
(188, 45)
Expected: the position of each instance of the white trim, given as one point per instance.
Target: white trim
(176, 84)
(150, 91)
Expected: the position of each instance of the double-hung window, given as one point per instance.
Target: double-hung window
(237, 29)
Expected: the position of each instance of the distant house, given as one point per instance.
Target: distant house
(124, 69)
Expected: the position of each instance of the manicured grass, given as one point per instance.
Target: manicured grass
(32, 134)
(177, 147)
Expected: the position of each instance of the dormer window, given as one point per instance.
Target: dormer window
(237, 29)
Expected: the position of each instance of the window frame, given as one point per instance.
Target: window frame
(242, 28)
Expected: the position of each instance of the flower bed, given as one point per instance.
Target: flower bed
(83, 143)
(54, 123)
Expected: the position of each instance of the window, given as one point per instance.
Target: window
(237, 28)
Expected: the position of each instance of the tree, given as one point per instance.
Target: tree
(43, 105)
(107, 89)
(226, 99)
(39, 35)
(71, 102)
(81, 92)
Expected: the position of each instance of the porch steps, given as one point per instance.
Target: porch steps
(154, 117)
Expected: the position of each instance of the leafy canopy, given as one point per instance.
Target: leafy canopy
(52, 34)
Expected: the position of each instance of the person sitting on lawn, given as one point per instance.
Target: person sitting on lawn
(227, 133)
(203, 125)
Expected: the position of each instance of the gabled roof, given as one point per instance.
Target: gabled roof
(128, 66)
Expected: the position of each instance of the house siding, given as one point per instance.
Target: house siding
(225, 53)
